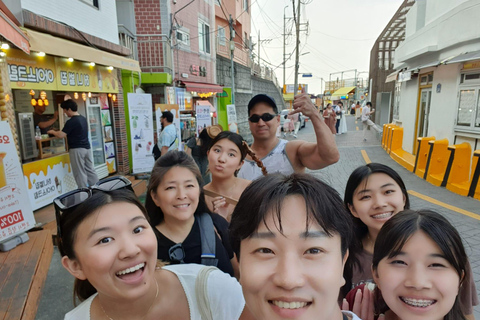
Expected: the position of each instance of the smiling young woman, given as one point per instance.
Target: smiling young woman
(108, 245)
(226, 155)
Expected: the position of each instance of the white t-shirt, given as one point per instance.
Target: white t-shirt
(224, 294)
(365, 113)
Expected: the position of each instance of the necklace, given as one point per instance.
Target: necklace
(156, 296)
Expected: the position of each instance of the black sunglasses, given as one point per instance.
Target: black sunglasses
(176, 253)
(71, 199)
(265, 117)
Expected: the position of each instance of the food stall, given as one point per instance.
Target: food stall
(46, 80)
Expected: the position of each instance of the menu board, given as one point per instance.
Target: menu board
(141, 131)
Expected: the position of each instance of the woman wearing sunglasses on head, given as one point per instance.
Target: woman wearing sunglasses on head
(186, 230)
(107, 244)
(226, 155)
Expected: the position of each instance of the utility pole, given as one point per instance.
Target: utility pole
(259, 44)
(232, 52)
(297, 47)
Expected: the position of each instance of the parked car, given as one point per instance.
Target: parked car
(283, 115)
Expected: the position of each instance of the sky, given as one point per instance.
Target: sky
(341, 34)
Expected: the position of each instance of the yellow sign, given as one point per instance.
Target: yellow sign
(58, 74)
(471, 65)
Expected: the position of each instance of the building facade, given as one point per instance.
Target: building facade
(439, 73)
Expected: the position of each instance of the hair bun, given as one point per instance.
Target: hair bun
(214, 130)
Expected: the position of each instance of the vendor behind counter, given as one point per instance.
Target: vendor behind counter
(43, 121)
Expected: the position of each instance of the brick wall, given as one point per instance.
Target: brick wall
(150, 47)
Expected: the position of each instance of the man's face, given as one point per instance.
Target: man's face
(263, 130)
(293, 274)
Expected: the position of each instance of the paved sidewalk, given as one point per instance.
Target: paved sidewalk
(57, 294)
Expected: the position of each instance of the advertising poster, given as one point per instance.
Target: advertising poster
(106, 118)
(111, 165)
(232, 118)
(180, 98)
(16, 214)
(141, 131)
(173, 108)
(108, 133)
(203, 117)
(47, 179)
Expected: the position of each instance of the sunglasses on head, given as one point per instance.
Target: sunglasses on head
(265, 117)
(72, 199)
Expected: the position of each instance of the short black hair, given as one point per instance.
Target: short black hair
(266, 194)
(69, 104)
(369, 104)
(262, 98)
(340, 102)
(167, 115)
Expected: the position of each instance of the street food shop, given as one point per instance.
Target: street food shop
(39, 83)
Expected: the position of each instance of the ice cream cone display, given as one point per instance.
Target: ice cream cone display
(3, 178)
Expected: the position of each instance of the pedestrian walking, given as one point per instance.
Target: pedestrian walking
(366, 112)
(330, 118)
(338, 113)
(167, 139)
(76, 131)
(358, 111)
(342, 128)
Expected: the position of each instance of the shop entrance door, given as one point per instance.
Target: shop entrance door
(423, 112)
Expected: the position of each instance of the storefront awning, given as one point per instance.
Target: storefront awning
(206, 103)
(343, 91)
(202, 87)
(392, 76)
(49, 44)
(464, 57)
(10, 31)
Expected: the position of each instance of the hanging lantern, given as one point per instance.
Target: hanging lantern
(84, 96)
(109, 95)
(33, 102)
(40, 102)
(75, 95)
(114, 97)
(89, 94)
(43, 95)
(32, 93)
(45, 102)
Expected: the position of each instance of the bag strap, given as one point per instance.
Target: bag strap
(171, 144)
(207, 236)
(201, 293)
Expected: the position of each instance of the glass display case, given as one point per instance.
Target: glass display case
(96, 135)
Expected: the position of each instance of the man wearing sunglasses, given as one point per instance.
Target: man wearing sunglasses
(285, 156)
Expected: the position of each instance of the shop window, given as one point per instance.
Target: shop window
(387, 60)
(245, 5)
(203, 37)
(380, 59)
(222, 40)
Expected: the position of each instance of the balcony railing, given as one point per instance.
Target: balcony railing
(152, 51)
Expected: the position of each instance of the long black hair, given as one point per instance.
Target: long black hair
(401, 227)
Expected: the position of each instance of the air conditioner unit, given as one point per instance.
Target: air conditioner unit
(28, 143)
